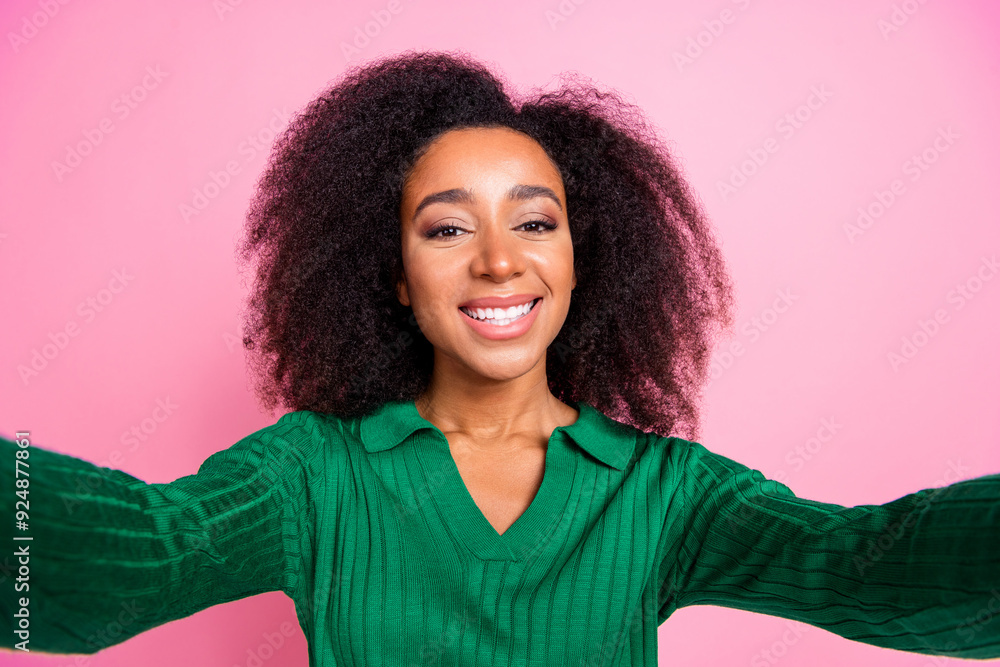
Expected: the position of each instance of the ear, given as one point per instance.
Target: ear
(573, 286)
(401, 292)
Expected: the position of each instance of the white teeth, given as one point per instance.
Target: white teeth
(500, 316)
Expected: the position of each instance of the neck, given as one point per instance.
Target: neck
(494, 415)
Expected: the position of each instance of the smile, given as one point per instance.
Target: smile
(500, 316)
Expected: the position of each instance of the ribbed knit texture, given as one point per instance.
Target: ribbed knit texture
(367, 525)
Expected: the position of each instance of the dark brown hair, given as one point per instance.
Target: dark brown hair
(323, 324)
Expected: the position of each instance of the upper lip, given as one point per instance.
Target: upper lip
(500, 301)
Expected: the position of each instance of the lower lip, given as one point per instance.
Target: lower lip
(497, 332)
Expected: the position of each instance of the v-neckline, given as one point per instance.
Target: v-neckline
(465, 520)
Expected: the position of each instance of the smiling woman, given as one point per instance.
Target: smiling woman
(509, 246)
(490, 297)
(427, 250)
(409, 160)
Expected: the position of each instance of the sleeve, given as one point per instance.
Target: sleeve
(110, 556)
(920, 573)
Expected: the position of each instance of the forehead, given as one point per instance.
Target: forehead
(469, 151)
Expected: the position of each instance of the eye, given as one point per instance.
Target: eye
(544, 226)
(437, 231)
(443, 231)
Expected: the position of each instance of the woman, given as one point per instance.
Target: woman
(492, 320)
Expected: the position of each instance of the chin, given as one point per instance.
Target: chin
(501, 370)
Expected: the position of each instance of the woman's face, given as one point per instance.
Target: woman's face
(483, 216)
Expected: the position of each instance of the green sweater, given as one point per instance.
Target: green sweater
(366, 524)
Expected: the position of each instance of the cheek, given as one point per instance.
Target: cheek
(431, 282)
(557, 267)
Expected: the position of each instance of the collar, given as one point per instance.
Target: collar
(608, 441)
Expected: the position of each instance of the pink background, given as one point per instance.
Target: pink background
(226, 72)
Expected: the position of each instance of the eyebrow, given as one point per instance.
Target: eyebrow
(463, 196)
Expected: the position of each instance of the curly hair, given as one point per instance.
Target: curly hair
(323, 324)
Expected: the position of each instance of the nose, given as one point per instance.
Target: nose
(498, 255)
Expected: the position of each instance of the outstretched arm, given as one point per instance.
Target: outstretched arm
(920, 573)
(111, 556)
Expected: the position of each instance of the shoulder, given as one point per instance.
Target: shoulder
(303, 455)
(318, 434)
(321, 438)
(305, 426)
(299, 441)
(682, 462)
(666, 451)
(650, 449)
